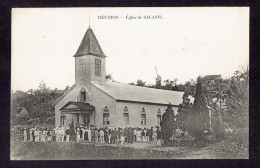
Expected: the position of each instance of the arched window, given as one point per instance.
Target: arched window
(106, 116)
(159, 116)
(143, 116)
(83, 95)
(126, 116)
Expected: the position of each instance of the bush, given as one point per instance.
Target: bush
(219, 130)
(234, 146)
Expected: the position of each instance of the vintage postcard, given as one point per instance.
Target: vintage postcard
(130, 83)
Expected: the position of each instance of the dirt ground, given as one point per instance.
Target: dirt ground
(89, 151)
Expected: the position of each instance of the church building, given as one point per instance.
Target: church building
(96, 101)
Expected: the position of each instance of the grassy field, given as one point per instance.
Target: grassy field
(73, 151)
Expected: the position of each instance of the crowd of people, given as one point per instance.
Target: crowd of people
(95, 135)
(37, 135)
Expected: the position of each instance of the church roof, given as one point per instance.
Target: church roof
(64, 94)
(132, 93)
(77, 106)
(89, 45)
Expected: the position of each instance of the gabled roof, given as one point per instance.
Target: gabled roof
(89, 45)
(131, 93)
(77, 106)
(64, 94)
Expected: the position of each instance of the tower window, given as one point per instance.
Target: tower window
(97, 67)
(82, 67)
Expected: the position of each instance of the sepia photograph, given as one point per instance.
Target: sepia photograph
(129, 83)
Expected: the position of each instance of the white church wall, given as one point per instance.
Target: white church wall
(134, 111)
(71, 96)
(99, 100)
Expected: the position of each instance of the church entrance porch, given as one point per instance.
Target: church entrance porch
(80, 113)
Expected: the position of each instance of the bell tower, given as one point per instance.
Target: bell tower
(90, 62)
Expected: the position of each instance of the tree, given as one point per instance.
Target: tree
(108, 77)
(237, 100)
(43, 87)
(158, 82)
(167, 84)
(183, 111)
(168, 124)
(198, 120)
(188, 88)
(139, 82)
(39, 104)
(175, 81)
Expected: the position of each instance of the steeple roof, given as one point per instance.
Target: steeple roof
(89, 45)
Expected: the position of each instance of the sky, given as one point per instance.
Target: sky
(184, 43)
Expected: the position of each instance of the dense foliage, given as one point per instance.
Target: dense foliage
(229, 125)
(197, 121)
(39, 104)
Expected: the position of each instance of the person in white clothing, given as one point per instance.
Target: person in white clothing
(45, 135)
(36, 134)
(55, 129)
(122, 139)
(40, 135)
(89, 134)
(49, 137)
(25, 135)
(62, 134)
(101, 134)
(145, 135)
(84, 130)
(135, 135)
(78, 135)
(31, 136)
(58, 134)
(155, 135)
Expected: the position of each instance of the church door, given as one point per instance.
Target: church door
(86, 118)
